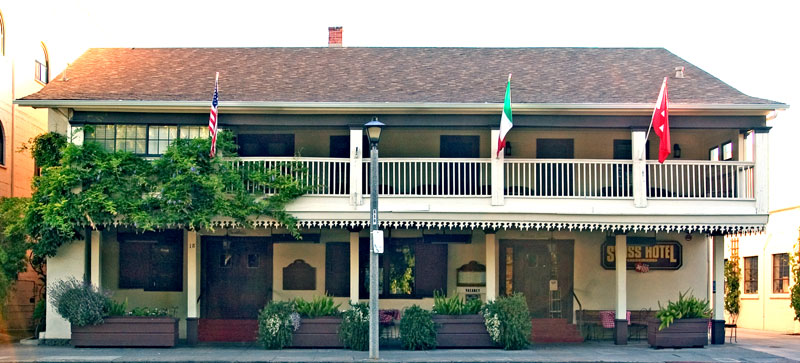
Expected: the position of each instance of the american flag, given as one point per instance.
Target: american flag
(212, 119)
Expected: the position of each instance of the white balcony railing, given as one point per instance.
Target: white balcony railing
(564, 178)
(329, 176)
(693, 179)
(431, 177)
(542, 178)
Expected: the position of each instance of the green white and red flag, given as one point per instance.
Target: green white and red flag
(505, 119)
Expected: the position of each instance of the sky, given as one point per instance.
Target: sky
(751, 45)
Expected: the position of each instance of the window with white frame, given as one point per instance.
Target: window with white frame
(193, 132)
(727, 151)
(160, 137)
(41, 71)
(713, 153)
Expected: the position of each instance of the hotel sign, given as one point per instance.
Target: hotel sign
(645, 252)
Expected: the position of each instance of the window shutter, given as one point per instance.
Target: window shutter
(337, 269)
(431, 268)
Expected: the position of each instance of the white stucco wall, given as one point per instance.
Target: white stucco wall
(69, 262)
(767, 310)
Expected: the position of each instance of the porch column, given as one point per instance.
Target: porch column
(621, 316)
(492, 256)
(497, 172)
(718, 319)
(639, 176)
(741, 174)
(69, 262)
(354, 283)
(356, 169)
(192, 286)
(95, 265)
(762, 170)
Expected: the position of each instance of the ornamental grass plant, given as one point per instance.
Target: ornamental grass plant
(319, 306)
(686, 307)
(455, 305)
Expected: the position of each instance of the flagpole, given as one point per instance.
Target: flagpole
(216, 125)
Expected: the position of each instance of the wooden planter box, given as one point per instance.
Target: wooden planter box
(128, 331)
(461, 331)
(682, 333)
(318, 333)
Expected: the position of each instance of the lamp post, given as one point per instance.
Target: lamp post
(373, 130)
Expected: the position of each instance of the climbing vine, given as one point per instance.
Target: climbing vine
(795, 292)
(90, 187)
(733, 277)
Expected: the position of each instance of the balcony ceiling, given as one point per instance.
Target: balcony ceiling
(602, 78)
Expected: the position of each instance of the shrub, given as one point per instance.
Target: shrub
(276, 323)
(317, 307)
(354, 331)
(454, 305)
(417, 329)
(152, 312)
(687, 307)
(79, 302)
(508, 321)
(732, 292)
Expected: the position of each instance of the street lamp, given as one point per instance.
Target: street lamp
(373, 130)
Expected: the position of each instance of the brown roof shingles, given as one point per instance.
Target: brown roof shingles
(394, 75)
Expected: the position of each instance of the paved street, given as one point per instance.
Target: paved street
(753, 346)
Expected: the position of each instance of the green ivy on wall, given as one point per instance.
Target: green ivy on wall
(733, 277)
(90, 187)
(794, 260)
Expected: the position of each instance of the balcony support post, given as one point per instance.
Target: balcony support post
(762, 170)
(356, 167)
(492, 260)
(497, 171)
(718, 297)
(621, 313)
(639, 174)
(192, 285)
(95, 264)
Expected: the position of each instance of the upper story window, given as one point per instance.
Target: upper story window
(2, 35)
(727, 151)
(2, 145)
(42, 71)
(780, 273)
(713, 153)
(140, 139)
(751, 275)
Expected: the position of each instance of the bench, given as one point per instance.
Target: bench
(593, 321)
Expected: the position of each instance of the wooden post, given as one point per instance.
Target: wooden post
(621, 315)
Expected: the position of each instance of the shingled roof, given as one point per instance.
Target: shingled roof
(389, 75)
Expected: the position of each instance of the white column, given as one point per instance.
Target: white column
(95, 265)
(639, 176)
(621, 258)
(356, 155)
(741, 174)
(69, 262)
(492, 277)
(762, 170)
(192, 275)
(719, 277)
(497, 171)
(354, 282)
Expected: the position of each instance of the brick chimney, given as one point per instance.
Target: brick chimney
(334, 36)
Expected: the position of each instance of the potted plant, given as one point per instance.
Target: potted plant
(458, 323)
(319, 323)
(354, 331)
(276, 323)
(680, 324)
(89, 310)
(417, 329)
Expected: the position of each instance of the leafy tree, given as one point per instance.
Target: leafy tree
(13, 243)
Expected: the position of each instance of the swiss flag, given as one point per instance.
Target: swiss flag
(661, 122)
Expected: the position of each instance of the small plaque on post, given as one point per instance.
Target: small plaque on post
(377, 241)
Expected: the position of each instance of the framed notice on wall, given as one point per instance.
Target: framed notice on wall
(657, 255)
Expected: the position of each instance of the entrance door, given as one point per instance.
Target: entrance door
(542, 271)
(237, 275)
(555, 178)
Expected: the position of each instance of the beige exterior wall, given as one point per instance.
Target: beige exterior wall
(767, 310)
(69, 262)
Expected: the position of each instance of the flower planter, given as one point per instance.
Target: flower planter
(682, 333)
(461, 331)
(318, 333)
(128, 331)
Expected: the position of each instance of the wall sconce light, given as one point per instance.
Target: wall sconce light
(676, 151)
(507, 149)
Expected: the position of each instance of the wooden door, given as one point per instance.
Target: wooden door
(556, 178)
(455, 177)
(542, 271)
(237, 275)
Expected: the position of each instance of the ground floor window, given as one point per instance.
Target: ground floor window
(780, 273)
(751, 275)
(408, 268)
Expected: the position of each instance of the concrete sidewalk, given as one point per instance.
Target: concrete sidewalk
(581, 352)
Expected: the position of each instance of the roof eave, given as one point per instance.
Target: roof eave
(400, 107)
